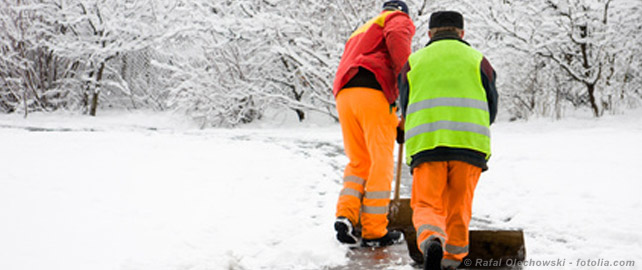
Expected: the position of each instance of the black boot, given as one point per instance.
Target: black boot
(433, 255)
(346, 232)
(391, 238)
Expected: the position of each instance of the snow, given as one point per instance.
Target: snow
(152, 191)
(573, 186)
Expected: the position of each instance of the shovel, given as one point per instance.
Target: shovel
(488, 248)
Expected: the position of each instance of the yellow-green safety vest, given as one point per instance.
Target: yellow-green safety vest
(447, 104)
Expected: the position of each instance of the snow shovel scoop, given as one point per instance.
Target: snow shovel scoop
(488, 248)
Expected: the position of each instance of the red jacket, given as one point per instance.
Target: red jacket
(382, 45)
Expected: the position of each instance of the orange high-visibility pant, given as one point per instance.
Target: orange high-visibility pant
(442, 197)
(369, 130)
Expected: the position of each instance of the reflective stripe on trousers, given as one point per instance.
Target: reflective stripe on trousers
(450, 263)
(350, 189)
(455, 250)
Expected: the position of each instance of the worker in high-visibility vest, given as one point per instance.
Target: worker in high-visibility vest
(365, 88)
(448, 101)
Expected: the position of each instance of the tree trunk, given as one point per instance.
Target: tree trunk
(301, 114)
(591, 91)
(94, 98)
(94, 103)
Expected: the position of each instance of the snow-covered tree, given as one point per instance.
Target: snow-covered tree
(208, 59)
(29, 70)
(305, 45)
(60, 53)
(243, 57)
(581, 50)
(226, 62)
(97, 31)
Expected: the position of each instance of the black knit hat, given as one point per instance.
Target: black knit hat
(396, 5)
(446, 19)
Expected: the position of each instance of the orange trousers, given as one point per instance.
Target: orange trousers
(442, 197)
(368, 126)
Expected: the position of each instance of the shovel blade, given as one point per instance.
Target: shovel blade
(492, 248)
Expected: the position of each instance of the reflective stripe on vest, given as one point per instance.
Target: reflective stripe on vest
(449, 125)
(447, 102)
(450, 102)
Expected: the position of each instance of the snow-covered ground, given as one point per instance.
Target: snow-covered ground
(146, 191)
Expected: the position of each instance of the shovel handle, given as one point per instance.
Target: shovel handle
(398, 175)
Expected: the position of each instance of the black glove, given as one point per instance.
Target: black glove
(400, 135)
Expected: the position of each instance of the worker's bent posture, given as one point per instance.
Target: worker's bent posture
(365, 88)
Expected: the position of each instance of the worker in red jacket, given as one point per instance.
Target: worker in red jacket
(365, 88)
